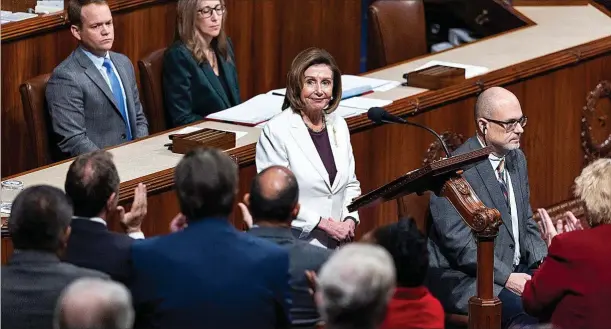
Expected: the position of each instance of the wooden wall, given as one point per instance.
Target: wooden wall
(17, 5)
(267, 34)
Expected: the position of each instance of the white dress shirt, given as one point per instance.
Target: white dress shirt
(133, 235)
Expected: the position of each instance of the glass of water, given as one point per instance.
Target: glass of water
(10, 189)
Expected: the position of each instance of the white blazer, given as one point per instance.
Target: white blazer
(285, 141)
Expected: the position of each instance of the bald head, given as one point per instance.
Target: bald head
(92, 303)
(494, 100)
(274, 194)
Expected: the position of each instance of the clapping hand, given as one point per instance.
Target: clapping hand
(549, 229)
(133, 219)
(246, 216)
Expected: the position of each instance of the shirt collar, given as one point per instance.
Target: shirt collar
(494, 160)
(97, 60)
(93, 219)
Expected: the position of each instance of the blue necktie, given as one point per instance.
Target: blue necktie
(116, 91)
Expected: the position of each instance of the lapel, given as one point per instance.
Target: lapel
(215, 83)
(491, 185)
(228, 70)
(129, 96)
(516, 184)
(302, 138)
(94, 74)
(335, 141)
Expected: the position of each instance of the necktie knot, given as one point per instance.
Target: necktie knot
(107, 64)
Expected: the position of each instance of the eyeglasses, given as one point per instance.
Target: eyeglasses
(511, 125)
(207, 11)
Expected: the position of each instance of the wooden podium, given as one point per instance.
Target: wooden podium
(444, 178)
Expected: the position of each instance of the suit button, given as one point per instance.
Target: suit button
(511, 246)
(123, 136)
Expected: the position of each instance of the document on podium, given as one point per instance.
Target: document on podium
(254, 111)
(353, 85)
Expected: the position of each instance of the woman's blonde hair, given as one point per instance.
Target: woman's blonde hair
(296, 77)
(593, 187)
(187, 32)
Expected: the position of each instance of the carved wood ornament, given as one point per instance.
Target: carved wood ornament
(594, 123)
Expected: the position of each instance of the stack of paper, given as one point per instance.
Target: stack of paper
(252, 112)
(364, 103)
(14, 17)
(353, 85)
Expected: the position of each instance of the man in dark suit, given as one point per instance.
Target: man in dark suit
(273, 204)
(92, 183)
(209, 275)
(34, 277)
(92, 95)
(500, 182)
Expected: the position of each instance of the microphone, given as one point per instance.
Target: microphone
(380, 115)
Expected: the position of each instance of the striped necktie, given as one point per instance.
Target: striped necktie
(500, 170)
(115, 85)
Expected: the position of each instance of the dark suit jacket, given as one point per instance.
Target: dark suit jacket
(191, 90)
(32, 282)
(303, 256)
(210, 275)
(83, 110)
(92, 245)
(452, 247)
(572, 288)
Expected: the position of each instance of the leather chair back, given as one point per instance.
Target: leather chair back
(38, 120)
(397, 32)
(151, 70)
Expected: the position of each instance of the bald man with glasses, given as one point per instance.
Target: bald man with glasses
(501, 183)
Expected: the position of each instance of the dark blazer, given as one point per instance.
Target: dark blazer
(452, 247)
(303, 256)
(32, 282)
(572, 288)
(92, 245)
(83, 110)
(191, 90)
(210, 275)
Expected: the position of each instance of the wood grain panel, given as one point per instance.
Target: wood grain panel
(17, 5)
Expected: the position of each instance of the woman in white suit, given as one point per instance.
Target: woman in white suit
(314, 143)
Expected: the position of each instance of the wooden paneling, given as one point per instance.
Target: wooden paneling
(266, 34)
(17, 5)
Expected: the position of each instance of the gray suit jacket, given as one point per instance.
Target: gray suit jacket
(452, 246)
(83, 110)
(303, 256)
(31, 284)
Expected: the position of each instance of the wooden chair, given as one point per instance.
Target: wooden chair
(151, 70)
(38, 121)
(397, 32)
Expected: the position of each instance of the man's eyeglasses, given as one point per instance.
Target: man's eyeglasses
(207, 11)
(510, 125)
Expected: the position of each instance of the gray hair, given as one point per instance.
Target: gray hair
(93, 303)
(355, 286)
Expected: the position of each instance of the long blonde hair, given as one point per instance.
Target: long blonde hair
(190, 36)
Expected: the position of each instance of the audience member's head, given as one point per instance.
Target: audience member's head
(407, 246)
(499, 119)
(91, 24)
(274, 195)
(92, 303)
(92, 183)
(40, 219)
(201, 26)
(355, 286)
(593, 187)
(206, 183)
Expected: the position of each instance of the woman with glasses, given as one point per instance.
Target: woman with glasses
(199, 71)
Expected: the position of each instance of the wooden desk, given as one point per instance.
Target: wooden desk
(550, 66)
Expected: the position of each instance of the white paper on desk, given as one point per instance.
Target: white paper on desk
(354, 83)
(348, 112)
(364, 103)
(470, 70)
(190, 129)
(388, 86)
(252, 112)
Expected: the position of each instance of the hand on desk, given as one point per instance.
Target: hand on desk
(516, 281)
(133, 219)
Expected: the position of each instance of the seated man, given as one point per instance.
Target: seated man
(273, 203)
(91, 303)
(92, 95)
(572, 288)
(34, 277)
(501, 183)
(355, 286)
(209, 274)
(92, 183)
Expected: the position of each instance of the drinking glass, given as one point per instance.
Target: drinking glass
(10, 189)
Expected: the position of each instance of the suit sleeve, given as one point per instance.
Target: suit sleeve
(536, 248)
(353, 188)
(272, 151)
(549, 283)
(282, 290)
(142, 125)
(457, 242)
(235, 71)
(177, 88)
(67, 111)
